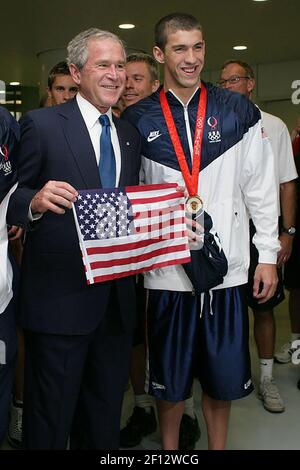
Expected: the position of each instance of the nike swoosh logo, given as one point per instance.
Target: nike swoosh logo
(151, 138)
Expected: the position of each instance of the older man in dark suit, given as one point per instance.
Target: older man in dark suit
(78, 336)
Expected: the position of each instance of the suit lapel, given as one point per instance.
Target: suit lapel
(80, 144)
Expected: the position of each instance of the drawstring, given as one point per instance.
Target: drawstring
(210, 302)
(202, 299)
(201, 303)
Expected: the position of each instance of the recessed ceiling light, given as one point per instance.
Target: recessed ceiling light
(14, 83)
(240, 48)
(259, 0)
(126, 26)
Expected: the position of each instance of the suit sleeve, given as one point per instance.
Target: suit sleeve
(29, 170)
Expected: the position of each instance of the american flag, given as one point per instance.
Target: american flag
(125, 231)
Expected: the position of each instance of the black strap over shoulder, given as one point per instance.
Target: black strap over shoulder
(208, 265)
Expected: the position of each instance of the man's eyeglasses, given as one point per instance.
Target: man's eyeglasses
(232, 80)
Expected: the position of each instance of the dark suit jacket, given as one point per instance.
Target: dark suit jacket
(55, 145)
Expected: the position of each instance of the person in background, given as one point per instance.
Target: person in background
(9, 138)
(238, 76)
(61, 86)
(292, 269)
(142, 78)
(78, 337)
(205, 334)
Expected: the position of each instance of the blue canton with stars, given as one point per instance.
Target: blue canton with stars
(104, 214)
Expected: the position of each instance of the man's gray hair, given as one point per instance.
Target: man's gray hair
(78, 46)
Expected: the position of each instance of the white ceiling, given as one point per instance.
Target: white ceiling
(270, 29)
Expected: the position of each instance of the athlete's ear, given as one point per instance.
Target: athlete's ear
(158, 54)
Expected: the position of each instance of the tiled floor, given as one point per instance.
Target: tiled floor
(251, 426)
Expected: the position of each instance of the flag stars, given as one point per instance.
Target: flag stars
(103, 215)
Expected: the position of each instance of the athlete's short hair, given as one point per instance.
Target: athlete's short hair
(172, 23)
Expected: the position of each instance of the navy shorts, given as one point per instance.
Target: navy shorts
(198, 336)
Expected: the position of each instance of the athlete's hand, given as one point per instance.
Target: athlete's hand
(265, 282)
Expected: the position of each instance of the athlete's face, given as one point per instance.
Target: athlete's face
(239, 80)
(183, 59)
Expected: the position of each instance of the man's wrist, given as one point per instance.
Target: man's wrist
(291, 231)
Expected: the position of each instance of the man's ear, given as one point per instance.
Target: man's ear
(250, 85)
(158, 54)
(155, 85)
(49, 94)
(75, 73)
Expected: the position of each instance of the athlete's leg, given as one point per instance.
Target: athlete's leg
(216, 414)
(170, 414)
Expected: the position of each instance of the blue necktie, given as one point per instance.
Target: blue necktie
(107, 163)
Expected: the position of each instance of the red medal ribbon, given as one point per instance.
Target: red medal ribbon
(191, 180)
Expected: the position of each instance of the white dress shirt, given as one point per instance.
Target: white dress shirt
(91, 116)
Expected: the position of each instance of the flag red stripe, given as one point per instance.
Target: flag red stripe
(149, 200)
(138, 258)
(151, 187)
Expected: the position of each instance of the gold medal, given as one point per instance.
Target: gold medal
(194, 204)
